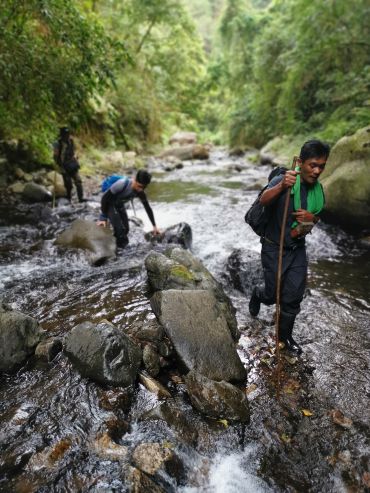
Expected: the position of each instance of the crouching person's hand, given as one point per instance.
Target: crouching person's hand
(104, 224)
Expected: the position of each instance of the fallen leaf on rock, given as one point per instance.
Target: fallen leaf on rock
(167, 444)
(285, 438)
(251, 388)
(290, 359)
(291, 387)
(306, 412)
(339, 419)
(223, 422)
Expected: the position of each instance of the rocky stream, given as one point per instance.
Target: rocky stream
(61, 431)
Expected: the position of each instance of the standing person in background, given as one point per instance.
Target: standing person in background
(306, 202)
(113, 205)
(65, 158)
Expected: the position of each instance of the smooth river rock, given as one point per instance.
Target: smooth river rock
(198, 330)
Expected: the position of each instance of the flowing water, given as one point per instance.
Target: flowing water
(51, 418)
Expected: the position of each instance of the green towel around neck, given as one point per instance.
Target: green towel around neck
(315, 197)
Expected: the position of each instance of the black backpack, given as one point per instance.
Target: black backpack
(258, 215)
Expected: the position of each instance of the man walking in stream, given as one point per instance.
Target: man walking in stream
(306, 202)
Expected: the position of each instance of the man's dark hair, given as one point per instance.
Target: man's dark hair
(143, 177)
(314, 148)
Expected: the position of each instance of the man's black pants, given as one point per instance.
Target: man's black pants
(117, 216)
(67, 179)
(293, 280)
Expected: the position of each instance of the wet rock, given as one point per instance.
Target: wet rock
(217, 399)
(244, 270)
(151, 360)
(139, 482)
(279, 151)
(104, 354)
(17, 187)
(165, 349)
(116, 399)
(188, 152)
(19, 173)
(27, 177)
(179, 269)
(36, 193)
(170, 413)
(152, 457)
(106, 448)
(153, 386)
(347, 193)
(183, 138)
(199, 333)
(37, 214)
(87, 235)
(48, 349)
(150, 331)
(179, 234)
(19, 335)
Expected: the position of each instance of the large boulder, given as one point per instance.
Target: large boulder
(217, 399)
(188, 152)
(280, 150)
(347, 189)
(244, 270)
(88, 236)
(199, 332)
(103, 353)
(33, 192)
(183, 138)
(179, 269)
(19, 336)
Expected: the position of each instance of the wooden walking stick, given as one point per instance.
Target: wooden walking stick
(278, 282)
(54, 187)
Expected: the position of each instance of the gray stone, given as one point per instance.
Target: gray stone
(179, 269)
(103, 353)
(151, 360)
(19, 335)
(179, 234)
(188, 152)
(87, 235)
(217, 399)
(48, 349)
(198, 330)
(33, 192)
(183, 138)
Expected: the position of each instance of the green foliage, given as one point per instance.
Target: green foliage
(52, 60)
(161, 88)
(296, 67)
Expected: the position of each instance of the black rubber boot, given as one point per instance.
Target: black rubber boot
(80, 193)
(254, 303)
(286, 331)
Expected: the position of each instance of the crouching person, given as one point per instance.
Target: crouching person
(114, 200)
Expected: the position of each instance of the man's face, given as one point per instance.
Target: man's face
(312, 168)
(138, 187)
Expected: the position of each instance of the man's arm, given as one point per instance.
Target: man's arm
(271, 194)
(148, 210)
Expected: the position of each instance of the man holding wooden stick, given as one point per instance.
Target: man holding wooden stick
(300, 191)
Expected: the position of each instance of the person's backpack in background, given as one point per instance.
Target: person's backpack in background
(109, 180)
(258, 215)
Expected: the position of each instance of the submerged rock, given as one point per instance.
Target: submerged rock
(217, 399)
(19, 335)
(154, 386)
(87, 235)
(179, 234)
(49, 348)
(244, 270)
(198, 330)
(103, 353)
